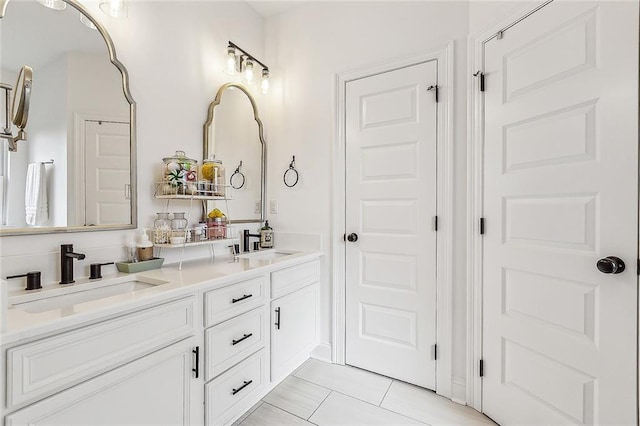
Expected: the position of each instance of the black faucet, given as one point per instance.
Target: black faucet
(66, 263)
(245, 239)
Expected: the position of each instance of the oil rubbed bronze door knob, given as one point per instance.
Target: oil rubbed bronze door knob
(610, 265)
(352, 237)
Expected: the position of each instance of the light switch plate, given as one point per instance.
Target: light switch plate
(273, 207)
(256, 208)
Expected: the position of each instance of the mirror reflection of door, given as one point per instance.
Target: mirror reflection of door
(107, 177)
(74, 80)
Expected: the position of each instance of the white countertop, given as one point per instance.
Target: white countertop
(194, 276)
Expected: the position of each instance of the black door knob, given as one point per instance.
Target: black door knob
(610, 265)
(352, 237)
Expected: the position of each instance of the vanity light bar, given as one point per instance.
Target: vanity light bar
(244, 62)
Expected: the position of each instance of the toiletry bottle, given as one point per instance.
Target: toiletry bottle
(145, 247)
(266, 236)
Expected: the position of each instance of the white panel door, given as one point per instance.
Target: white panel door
(107, 167)
(391, 206)
(561, 192)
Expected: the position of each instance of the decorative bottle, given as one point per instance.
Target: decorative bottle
(266, 236)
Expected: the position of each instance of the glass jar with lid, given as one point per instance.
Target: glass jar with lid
(179, 175)
(212, 172)
(217, 228)
(162, 229)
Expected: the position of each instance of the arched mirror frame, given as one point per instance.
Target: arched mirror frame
(132, 136)
(263, 154)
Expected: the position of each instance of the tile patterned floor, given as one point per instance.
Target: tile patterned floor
(324, 394)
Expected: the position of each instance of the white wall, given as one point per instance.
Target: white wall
(47, 136)
(174, 52)
(306, 47)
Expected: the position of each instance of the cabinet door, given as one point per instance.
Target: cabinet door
(293, 330)
(158, 389)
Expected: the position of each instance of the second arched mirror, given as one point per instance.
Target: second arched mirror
(233, 133)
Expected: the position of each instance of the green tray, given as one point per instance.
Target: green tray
(145, 265)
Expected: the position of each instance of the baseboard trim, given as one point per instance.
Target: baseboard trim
(322, 352)
(459, 390)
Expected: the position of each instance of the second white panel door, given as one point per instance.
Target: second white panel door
(390, 211)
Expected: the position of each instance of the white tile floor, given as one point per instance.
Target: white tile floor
(326, 394)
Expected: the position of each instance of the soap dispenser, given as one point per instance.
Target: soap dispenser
(266, 236)
(145, 247)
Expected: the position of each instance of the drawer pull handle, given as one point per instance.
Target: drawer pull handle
(277, 318)
(245, 384)
(196, 370)
(246, 296)
(245, 337)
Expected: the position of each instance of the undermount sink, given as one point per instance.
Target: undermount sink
(266, 255)
(68, 296)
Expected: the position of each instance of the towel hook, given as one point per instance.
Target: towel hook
(240, 176)
(291, 169)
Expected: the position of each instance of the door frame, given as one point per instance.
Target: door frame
(444, 131)
(475, 195)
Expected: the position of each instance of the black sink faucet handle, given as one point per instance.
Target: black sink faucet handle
(96, 270)
(33, 280)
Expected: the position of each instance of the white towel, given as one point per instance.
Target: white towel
(35, 195)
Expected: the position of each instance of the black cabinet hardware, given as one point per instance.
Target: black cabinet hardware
(246, 296)
(196, 352)
(245, 337)
(277, 318)
(244, 385)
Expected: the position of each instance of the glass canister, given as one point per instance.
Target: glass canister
(162, 229)
(212, 172)
(180, 175)
(217, 228)
(179, 224)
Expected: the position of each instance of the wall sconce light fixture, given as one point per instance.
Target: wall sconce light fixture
(239, 61)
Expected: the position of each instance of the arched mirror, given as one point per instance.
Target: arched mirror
(76, 169)
(233, 133)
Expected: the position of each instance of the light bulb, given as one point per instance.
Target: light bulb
(264, 85)
(115, 8)
(53, 4)
(248, 71)
(231, 61)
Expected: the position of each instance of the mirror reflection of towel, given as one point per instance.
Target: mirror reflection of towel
(35, 195)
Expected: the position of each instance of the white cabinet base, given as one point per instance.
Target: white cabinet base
(155, 390)
(293, 330)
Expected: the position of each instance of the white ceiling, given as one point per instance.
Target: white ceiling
(271, 8)
(34, 35)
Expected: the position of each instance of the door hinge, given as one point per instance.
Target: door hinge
(435, 352)
(436, 90)
(435, 223)
(500, 35)
(482, 226)
(638, 267)
(481, 368)
(480, 76)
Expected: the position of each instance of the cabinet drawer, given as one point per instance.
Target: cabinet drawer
(230, 342)
(235, 391)
(291, 279)
(227, 302)
(46, 366)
